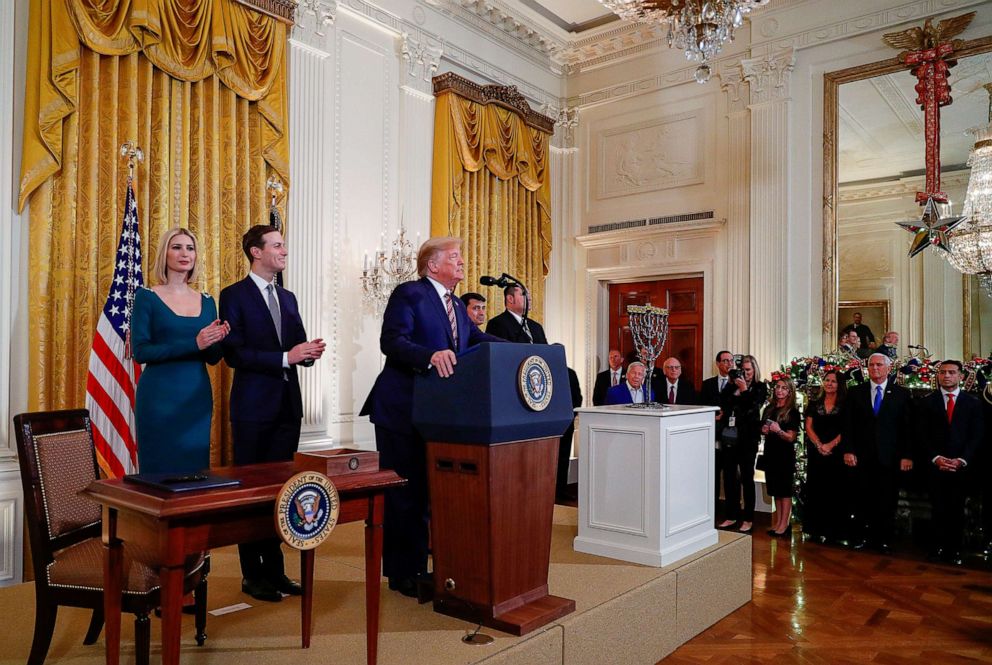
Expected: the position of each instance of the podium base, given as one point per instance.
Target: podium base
(518, 621)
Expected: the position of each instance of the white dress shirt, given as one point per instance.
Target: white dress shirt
(263, 286)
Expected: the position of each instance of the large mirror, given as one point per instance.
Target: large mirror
(873, 167)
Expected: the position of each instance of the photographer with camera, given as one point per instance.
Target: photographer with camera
(741, 402)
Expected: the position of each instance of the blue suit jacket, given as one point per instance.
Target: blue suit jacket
(414, 326)
(253, 350)
(620, 394)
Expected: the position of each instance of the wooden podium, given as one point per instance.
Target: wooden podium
(491, 469)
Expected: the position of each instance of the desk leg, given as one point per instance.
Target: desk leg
(306, 602)
(113, 561)
(171, 598)
(373, 575)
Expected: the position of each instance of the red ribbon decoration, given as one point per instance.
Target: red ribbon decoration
(932, 69)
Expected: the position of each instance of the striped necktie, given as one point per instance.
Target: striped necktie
(448, 305)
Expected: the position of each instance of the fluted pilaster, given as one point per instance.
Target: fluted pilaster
(416, 137)
(311, 200)
(769, 204)
(738, 212)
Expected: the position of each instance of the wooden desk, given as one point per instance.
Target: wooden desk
(171, 526)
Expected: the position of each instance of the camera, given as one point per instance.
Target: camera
(737, 372)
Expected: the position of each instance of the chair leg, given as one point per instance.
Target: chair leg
(142, 638)
(96, 625)
(200, 598)
(44, 626)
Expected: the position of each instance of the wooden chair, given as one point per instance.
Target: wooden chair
(57, 459)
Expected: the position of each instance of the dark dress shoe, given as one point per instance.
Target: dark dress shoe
(405, 585)
(955, 559)
(287, 586)
(261, 590)
(859, 544)
(884, 548)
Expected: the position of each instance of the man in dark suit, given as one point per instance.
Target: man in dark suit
(952, 428)
(266, 343)
(674, 389)
(878, 444)
(709, 395)
(475, 305)
(614, 376)
(510, 325)
(631, 391)
(423, 328)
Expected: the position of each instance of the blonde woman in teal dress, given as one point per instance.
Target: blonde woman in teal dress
(174, 332)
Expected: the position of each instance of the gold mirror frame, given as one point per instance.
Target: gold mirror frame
(831, 89)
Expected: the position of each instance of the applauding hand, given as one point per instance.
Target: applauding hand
(212, 333)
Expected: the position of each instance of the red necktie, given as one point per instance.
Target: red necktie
(671, 394)
(950, 408)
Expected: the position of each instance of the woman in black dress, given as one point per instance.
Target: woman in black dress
(781, 429)
(825, 502)
(741, 401)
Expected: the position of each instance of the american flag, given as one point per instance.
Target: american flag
(113, 374)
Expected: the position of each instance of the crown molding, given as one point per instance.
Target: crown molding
(765, 39)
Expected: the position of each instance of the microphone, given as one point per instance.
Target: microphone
(916, 346)
(501, 281)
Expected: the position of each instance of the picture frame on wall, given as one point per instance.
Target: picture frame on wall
(874, 314)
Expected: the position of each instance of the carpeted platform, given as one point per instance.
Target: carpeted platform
(625, 613)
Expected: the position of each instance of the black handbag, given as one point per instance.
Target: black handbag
(729, 436)
(761, 464)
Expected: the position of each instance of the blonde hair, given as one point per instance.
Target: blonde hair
(431, 248)
(160, 269)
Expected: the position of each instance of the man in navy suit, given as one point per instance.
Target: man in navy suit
(423, 328)
(952, 428)
(266, 343)
(878, 444)
(632, 390)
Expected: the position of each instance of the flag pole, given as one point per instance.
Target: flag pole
(132, 152)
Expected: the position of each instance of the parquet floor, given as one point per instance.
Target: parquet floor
(823, 605)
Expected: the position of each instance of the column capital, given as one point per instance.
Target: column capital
(423, 57)
(733, 83)
(769, 76)
(566, 120)
(314, 20)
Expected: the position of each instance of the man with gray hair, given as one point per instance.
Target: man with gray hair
(631, 391)
(424, 327)
(877, 444)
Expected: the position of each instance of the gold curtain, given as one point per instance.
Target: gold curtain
(99, 74)
(502, 212)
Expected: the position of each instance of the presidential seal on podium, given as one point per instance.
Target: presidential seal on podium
(535, 383)
(307, 509)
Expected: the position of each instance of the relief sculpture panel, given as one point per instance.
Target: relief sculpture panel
(649, 156)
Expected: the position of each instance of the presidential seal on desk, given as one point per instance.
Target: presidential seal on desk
(535, 383)
(307, 509)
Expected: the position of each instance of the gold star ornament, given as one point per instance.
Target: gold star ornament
(930, 230)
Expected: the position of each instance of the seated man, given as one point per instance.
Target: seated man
(632, 390)
(890, 344)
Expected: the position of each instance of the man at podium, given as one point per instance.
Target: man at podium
(423, 328)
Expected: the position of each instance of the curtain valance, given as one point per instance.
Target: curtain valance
(485, 131)
(188, 39)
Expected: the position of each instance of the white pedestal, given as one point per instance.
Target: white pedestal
(646, 482)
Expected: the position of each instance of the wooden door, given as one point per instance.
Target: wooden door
(684, 300)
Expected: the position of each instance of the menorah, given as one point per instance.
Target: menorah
(649, 327)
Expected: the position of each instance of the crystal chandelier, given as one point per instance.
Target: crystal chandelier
(387, 271)
(971, 243)
(700, 28)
